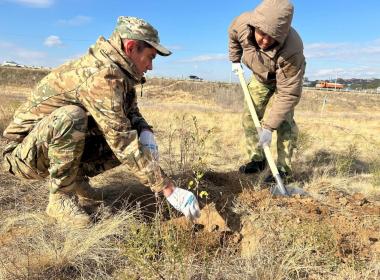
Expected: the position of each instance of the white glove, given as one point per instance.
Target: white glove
(148, 141)
(265, 137)
(185, 202)
(236, 67)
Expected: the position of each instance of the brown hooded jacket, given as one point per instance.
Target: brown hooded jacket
(282, 65)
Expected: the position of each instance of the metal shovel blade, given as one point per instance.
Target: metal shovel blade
(290, 191)
(281, 189)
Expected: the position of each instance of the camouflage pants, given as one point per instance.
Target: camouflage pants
(287, 132)
(61, 147)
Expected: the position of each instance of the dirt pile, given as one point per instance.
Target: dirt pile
(332, 227)
(342, 226)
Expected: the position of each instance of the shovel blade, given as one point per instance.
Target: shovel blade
(290, 191)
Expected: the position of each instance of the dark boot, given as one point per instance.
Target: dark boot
(253, 167)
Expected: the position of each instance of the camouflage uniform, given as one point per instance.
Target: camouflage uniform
(287, 132)
(83, 117)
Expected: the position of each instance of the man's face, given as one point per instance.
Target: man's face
(142, 59)
(263, 40)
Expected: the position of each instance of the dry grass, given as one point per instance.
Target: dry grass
(34, 247)
(19, 76)
(198, 130)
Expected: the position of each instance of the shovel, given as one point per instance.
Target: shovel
(279, 188)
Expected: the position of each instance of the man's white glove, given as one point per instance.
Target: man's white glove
(185, 202)
(148, 141)
(236, 67)
(265, 137)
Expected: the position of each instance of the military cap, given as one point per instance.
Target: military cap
(138, 29)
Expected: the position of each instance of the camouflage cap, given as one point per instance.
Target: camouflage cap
(138, 29)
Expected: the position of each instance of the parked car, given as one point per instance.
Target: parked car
(11, 63)
(196, 78)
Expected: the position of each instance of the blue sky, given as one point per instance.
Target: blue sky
(341, 37)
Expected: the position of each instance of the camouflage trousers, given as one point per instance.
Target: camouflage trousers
(64, 147)
(287, 132)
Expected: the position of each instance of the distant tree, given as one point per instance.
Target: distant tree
(341, 81)
(313, 83)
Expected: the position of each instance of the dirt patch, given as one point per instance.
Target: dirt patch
(349, 224)
(335, 227)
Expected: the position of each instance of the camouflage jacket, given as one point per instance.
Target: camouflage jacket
(283, 65)
(102, 82)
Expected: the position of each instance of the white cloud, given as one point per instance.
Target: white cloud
(67, 59)
(345, 60)
(34, 3)
(365, 72)
(206, 58)
(53, 41)
(342, 50)
(75, 21)
(10, 51)
(331, 72)
(29, 54)
(6, 45)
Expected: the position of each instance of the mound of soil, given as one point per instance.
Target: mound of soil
(351, 222)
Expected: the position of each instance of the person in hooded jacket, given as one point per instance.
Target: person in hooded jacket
(83, 119)
(265, 42)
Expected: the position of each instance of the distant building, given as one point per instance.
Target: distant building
(378, 90)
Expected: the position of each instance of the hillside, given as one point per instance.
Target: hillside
(21, 77)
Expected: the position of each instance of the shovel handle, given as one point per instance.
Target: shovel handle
(268, 154)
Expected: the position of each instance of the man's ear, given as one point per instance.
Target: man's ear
(129, 45)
